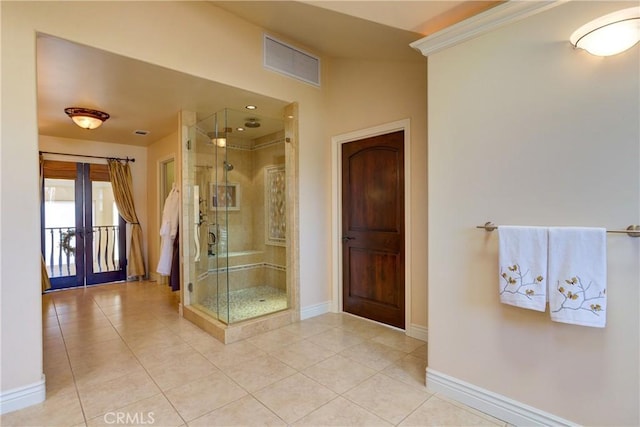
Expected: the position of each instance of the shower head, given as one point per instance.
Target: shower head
(227, 166)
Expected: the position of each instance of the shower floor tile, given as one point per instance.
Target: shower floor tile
(247, 303)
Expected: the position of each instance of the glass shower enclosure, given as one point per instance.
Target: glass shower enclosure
(234, 216)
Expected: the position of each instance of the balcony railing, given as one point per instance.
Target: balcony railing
(61, 249)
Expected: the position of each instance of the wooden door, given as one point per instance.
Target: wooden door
(373, 228)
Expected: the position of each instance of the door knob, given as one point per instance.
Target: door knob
(345, 239)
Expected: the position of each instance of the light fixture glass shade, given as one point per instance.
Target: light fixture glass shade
(86, 118)
(220, 142)
(610, 34)
(86, 122)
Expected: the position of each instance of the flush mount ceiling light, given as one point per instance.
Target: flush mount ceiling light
(250, 107)
(252, 123)
(609, 34)
(86, 118)
(220, 140)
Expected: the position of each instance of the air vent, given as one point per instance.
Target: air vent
(286, 59)
(141, 132)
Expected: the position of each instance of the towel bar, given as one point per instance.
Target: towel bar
(631, 231)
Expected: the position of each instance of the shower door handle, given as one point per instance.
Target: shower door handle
(345, 239)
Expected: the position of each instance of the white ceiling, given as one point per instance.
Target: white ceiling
(135, 93)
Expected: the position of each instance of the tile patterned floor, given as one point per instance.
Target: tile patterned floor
(120, 355)
(247, 303)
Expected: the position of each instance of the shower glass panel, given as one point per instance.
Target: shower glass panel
(238, 216)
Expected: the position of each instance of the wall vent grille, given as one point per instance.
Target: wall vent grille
(293, 62)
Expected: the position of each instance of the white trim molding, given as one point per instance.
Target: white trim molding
(489, 20)
(418, 332)
(496, 405)
(315, 310)
(336, 202)
(21, 397)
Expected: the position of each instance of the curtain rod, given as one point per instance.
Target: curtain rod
(126, 159)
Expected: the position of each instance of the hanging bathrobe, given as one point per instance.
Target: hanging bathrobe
(168, 230)
(174, 278)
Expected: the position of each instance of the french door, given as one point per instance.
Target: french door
(83, 235)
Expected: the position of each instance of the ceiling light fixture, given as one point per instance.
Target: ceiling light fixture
(251, 107)
(219, 140)
(86, 118)
(610, 34)
(252, 123)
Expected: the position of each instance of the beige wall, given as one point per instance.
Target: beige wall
(365, 94)
(525, 130)
(159, 151)
(21, 364)
(386, 92)
(173, 39)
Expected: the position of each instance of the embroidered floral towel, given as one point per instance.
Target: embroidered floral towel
(523, 266)
(578, 275)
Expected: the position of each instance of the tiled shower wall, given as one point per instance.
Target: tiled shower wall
(264, 262)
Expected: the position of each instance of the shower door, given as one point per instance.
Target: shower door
(208, 198)
(235, 170)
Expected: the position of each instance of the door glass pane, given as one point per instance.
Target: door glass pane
(105, 228)
(60, 227)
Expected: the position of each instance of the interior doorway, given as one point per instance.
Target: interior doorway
(166, 182)
(82, 233)
(167, 178)
(373, 284)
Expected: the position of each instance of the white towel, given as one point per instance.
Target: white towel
(168, 230)
(578, 275)
(523, 266)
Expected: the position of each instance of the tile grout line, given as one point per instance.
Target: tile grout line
(376, 372)
(249, 393)
(73, 374)
(75, 382)
(222, 371)
(416, 408)
(144, 368)
(166, 320)
(163, 392)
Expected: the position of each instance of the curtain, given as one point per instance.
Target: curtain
(45, 283)
(122, 184)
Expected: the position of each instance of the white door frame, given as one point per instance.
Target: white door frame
(336, 203)
(160, 181)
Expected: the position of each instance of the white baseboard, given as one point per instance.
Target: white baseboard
(494, 404)
(414, 331)
(315, 310)
(21, 397)
(418, 332)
